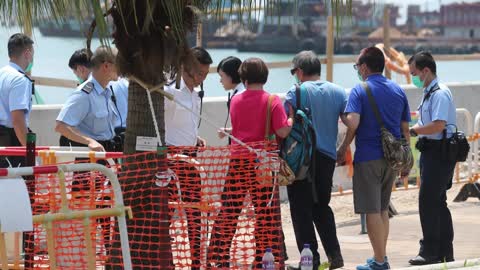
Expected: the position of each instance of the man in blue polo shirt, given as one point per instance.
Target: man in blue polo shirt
(309, 199)
(437, 119)
(372, 177)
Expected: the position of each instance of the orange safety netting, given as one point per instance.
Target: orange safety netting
(214, 207)
(85, 191)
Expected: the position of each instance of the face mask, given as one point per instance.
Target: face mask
(29, 67)
(359, 76)
(417, 82)
(80, 80)
(296, 79)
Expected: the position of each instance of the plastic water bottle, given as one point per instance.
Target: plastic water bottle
(306, 258)
(268, 261)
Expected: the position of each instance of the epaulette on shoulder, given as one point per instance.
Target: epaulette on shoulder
(88, 88)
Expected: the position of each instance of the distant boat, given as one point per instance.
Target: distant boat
(68, 28)
(289, 33)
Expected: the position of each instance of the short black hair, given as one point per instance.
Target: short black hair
(18, 43)
(230, 66)
(374, 59)
(253, 70)
(422, 60)
(80, 58)
(308, 62)
(202, 55)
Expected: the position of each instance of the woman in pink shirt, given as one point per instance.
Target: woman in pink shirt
(248, 116)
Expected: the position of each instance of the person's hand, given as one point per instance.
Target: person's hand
(95, 146)
(341, 156)
(201, 142)
(404, 173)
(221, 132)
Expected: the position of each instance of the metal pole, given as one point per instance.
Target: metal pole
(386, 36)
(29, 237)
(363, 222)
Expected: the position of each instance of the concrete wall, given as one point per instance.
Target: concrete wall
(466, 95)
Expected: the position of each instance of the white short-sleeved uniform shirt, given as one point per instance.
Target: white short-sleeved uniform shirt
(181, 126)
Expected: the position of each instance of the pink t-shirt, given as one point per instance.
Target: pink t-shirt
(248, 112)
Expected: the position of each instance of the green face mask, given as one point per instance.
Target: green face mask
(296, 79)
(359, 76)
(29, 67)
(417, 82)
(80, 80)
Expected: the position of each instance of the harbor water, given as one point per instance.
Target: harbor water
(52, 55)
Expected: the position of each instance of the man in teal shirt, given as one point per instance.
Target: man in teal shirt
(326, 102)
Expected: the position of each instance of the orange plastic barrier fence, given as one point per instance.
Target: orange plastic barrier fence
(214, 207)
(85, 191)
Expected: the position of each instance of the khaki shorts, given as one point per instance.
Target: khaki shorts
(372, 186)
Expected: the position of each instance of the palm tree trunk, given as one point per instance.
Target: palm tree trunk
(148, 231)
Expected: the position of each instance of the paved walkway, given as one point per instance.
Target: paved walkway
(405, 232)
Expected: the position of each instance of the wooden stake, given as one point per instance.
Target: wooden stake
(3, 252)
(330, 48)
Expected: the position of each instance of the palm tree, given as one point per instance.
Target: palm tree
(151, 39)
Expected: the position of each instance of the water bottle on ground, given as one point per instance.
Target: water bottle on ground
(306, 258)
(268, 261)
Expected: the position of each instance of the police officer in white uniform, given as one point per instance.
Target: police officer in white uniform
(16, 91)
(89, 115)
(181, 129)
(181, 126)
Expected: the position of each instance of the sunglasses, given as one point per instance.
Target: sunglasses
(293, 70)
(357, 65)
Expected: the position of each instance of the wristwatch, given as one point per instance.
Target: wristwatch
(413, 133)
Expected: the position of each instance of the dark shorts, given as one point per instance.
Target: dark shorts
(372, 186)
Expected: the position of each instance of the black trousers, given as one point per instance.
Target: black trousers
(9, 138)
(191, 189)
(436, 178)
(306, 212)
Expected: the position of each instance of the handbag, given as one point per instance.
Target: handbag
(397, 152)
(457, 145)
(285, 174)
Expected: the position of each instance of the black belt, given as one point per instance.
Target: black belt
(424, 144)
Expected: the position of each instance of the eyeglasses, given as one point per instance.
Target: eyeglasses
(356, 66)
(293, 70)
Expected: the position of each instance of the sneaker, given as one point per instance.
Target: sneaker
(335, 262)
(374, 266)
(372, 259)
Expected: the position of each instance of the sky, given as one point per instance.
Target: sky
(429, 5)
